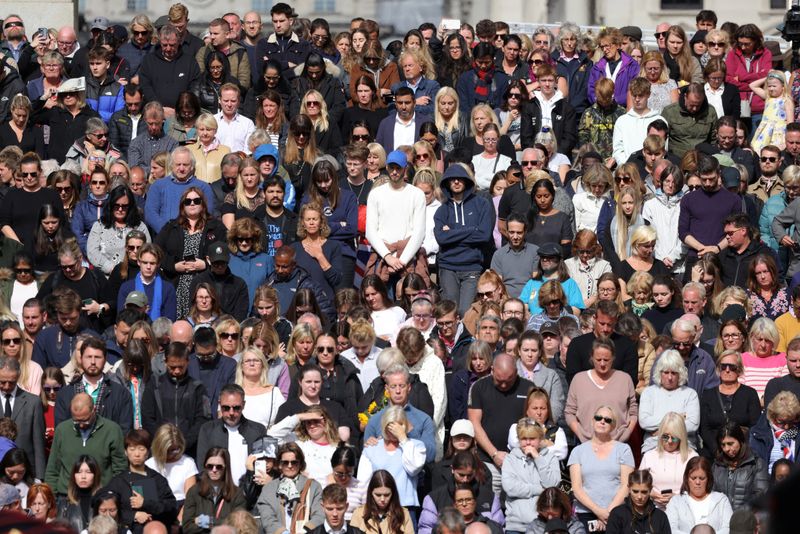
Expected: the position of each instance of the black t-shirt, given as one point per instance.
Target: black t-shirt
(20, 211)
(276, 232)
(514, 200)
(295, 406)
(501, 409)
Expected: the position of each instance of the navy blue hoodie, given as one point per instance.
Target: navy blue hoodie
(470, 224)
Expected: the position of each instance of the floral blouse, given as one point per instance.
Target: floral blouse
(772, 309)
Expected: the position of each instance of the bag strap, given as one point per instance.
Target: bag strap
(301, 503)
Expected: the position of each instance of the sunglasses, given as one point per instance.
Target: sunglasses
(229, 335)
(312, 103)
(51, 389)
(666, 438)
(530, 162)
(244, 239)
(484, 294)
(33, 174)
(98, 182)
(515, 96)
(196, 201)
(536, 62)
(620, 179)
(12, 341)
(23, 271)
(101, 135)
(718, 44)
(660, 35)
(225, 408)
(13, 25)
(330, 350)
(770, 159)
(66, 189)
(215, 467)
(693, 187)
(145, 32)
(289, 463)
(133, 248)
(360, 137)
(606, 420)
(728, 367)
(121, 207)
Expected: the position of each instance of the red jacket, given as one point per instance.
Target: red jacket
(759, 68)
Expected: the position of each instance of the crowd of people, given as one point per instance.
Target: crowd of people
(474, 282)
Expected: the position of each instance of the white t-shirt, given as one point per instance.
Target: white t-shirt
(237, 448)
(485, 169)
(700, 509)
(176, 473)
(263, 408)
(386, 321)
(20, 293)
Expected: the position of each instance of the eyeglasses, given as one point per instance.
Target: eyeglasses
(489, 140)
(12, 341)
(530, 162)
(731, 336)
(236, 408)
(770, 159)
(445, 324)
(244, 239)
(515, 96)
(606, 420)
(33, 174)
(229, 335)
(323, 350)
(465, 501)
(215, 467)
(731, 232)
(70, 267)
(251, 361)
(552, 303)
(422, 155)
(485, 294)
(717, 44)
(421, 315)
(121, 207)
(666, 438)
(341, 475)
(145, 32)
(101, 135)
(728, 367)
(196, 201)
(133, 248)
(360, 137)
(289, 463)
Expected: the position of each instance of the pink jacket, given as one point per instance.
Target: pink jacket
(737, 68)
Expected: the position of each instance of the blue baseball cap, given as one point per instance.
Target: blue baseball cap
(398, 157)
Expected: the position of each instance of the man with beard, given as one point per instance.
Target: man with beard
(230, 173)
(517, 259)
(288, 278)
(252, 36)
(769, 183)
(126, 124)
(14, 32)
(281, 223)
(143, 149)
(401, 127)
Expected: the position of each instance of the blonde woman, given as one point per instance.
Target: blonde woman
(425, 157)
(627, 218)
(14, 346)
(248, 199)
(663, 89)
(168, 459)
(208, 151)
(482, 115)
(450, 122)
(733, 295)
(643, 242)
(376, 162)
(300, 348)
(229, 335)
(327, 134)
(262, 399)
(667, 461)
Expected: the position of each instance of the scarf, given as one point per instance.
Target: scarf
(672, 65)
(155, 306)
(483, 84)
(101, 393)
(639, 309)
(785, 438)
(287, 488)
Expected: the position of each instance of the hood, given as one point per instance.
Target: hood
(457, 171)
(271, 151)
(649, 115)
(330, 68)
(558, 96)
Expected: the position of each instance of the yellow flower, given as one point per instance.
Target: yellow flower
(372, 407)
(363, 419)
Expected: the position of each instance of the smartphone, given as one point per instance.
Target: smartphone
(593, 525)
(260, 465)
(87, 302)
(451, 24)
(138, 489)
(43, 33)
(189, 257)
(666, 491)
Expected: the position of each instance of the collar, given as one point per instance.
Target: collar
(398, 121)
(273, 38)
(86, 383)
(221, 117)
(330, 530)
(13, 394)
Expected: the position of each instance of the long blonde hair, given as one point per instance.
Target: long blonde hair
(453, 123)
(685, 59)
(625, 222)
(242, 201)
(673, 424)
(320, 123)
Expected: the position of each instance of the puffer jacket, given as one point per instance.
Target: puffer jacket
(487, 504)
(771, 209)
(237, 57)
(748, 481)
(524, 479)
(741, 77)
(576, 72)
(105, 247)
(329, 87)
(106, 97)
(625, 520)
(253, 268)
(87, 212)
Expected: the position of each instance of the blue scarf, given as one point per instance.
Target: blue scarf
(155, 306)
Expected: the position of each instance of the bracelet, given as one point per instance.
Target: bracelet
(495, 454)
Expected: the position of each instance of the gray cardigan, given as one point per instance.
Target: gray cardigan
(106, 246)
(271, 508)
(548, 380)
(682, 520)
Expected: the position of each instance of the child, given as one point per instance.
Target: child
(334, 504)
(778, 110)
(104, 93)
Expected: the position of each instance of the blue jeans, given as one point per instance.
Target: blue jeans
(459, 286)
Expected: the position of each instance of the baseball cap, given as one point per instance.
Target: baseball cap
(218, 252)
(398, 157)
(730, 177)
(264, 150)
(136, 298)
(100, 23)
(550, 250)
(462, 427)
(550, 327)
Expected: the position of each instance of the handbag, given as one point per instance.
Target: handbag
(298, 525)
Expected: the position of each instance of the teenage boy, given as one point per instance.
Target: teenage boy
(630, 130)
(334, 505)
(104, 94)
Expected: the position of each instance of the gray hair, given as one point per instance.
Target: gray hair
(450, 520)
(167, 30)
(12, 364)
(393, 414)
(791, 175)
(102, 524)
(569, 29)
(492, 318)
(388, 358)
(162, 327)
(180, 150)
(670, 360)
(94, 124)
(154, 107)
(765, 327)
(694, 286)
(543, 30)
(682, 325)
(398, 369)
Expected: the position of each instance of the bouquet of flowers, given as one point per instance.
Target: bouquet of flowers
(373, 408)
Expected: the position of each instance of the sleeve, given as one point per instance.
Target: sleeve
(515, 478)
(39, 446)
(571, 406)
(267, 510)
(649, 420)
(527, 134)
(618, 143)
(153, 209)
(438, 391)
(337, 109)
(165, 501)
(463, 90)
(428, 517)
(560, 447)
(365, 469)
(334, 275)
(78, 227)
(414, 456)
(373, 214)
(585, 128)
(203, 443)
(135, 157)
(93, 249)
(692, 411)
(284, 428)
(674, 514)
(53, 469)
(190, 512)
(556, 393)
(684, 219)
(119, 462)
(570, 134)
(418, 223)
(150, 420)
(616, 523)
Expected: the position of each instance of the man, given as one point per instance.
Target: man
(54, 345)
(494, 405)
(396, 221)
(630, 130)
(402, 126)
(25, 410)
(334, 505)
(177, 398)
(661, 35)
(631, 36)
(423, 89)
(235, 23)
(769, 182)
(126, 124)
(210, 367)
(163, 198)
(653, 149)
(488, 328)
(691, 120)
(453, 334)
(178, 16)
(280, 223)
(702, 372)
(234, 129)
(34, 318)
(169, 71)
(355, 180)
(398, 385)
(463, 227)
(288, 278)
(269, 165)
(791, 155)
(132, 310)
(789, 382)
(231, 290)
(144, 147)
(283, 45)
(626, 358)
(218, 30)
(517, 259)
(104, 93)
(109, 398)
(694, 300)
(788, 324)
(84, 433)
(232, 431)
(702, 212)
(742, 248)
(252, 36)
(726, 145)
(230, 174)
(67, 42)
(548, 108)
(15, 40)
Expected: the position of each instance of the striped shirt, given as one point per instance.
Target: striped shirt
(759, 371)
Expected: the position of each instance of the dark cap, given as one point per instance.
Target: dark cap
(634, 32)
(218, 252)
(556, 526)
(550, 250)
(550, 327)
(698, 37)
(733, 311)
(730, 177)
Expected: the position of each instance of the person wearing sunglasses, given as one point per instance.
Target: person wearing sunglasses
(667, 461)
(248, 260)
(603, 487)
(215, 496)
(107, 238)
(775, 434)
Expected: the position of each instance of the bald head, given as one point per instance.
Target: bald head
(154, 527)
(504, 372)
(476, 527)
(182, 332)
(67, 40)
(703, 529)
(82, 411)
(81, 401)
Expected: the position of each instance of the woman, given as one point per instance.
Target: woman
(730, 401)
(402, 456)
(732, 336)
(248, 260)
(300, 348)
(537, 409)
(382, 511)
(489, 162)
(368, 106)
(527, 470)
(480, 117)
(662, 212)
(205, 305)
(328, 138)
(339, 213)
(717, 44)
(247, 200)
(376, 163)
(340, 381)
(293, 498)
(214, 496)
(624, 70)
(465, 502)
(51, 64)
(208, 151)
(182, 127)
(52, 382)
(461, 440)
(547, 224)
(216, 73)
(51, 232)
(600, 386)
(667, 303)
(669, 393)
(455, 60)
(229, 334)
(663, 89)
(668, 460)
(424, 153)
(133, 373)
(185, 241)
(158, 166)
(321, 42)
(300, 153)
(510, 113)
(271, 78)
(89, 210)
(683, 66)
(148, 279)
(698, 503)
(554, 504)
(386, 319)
(599, 469)
(749, 61)
(738, 473)
(586, 265)
(774, 435)
(343, 463)
(168, 459)
(319, 256)
(145, 494)
(271, 117)
(379, 69)
(597, 182)
(768, 296)
(75, 507)
(643, 242)
(478, 365)
(16, 470)
(67, 184)
(627, 219)
(553, 302)
(106, 242)
(763, 363)
(638, 513)
(66, 116)
(723, 97)
(19, 131)
(451, 123)
(41, 502)
(550, 268)
(266, 306)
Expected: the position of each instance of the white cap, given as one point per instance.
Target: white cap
(462, 427)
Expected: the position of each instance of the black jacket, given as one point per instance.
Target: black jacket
(300, 279)
(576, 72)
(343, 386)
(564, 124)
(231, 292)
(331, 90)
(458, 387)
(10, 86)
(163, 80)
(284, 50)
(419, 397)
(745, 410)
(159, 501)
(116, 404)
(747, 482)
(64, 128)
(624, 520)
(626, 357)
(183, 403)
(215, 434)
(120, 128)
(458, 354)
(171, 241)
(735, 265)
